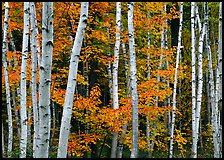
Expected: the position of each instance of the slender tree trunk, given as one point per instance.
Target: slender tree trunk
(8, 101)
(200, 83)
(23, 110)
(115, 74)
(124, 128)
(34, 53)
(109, 64)
(29, 136)
(219, 79)
(193, 52)
(213, 104)
(69, 97)
(133, 80)
(175, 81)
(45, 81)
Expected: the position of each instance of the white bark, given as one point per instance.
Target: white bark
(133, 80)
(45, 81)
(68, 104)
(23, 111)
(109, 64)
(219, 79)
(34, 52)
(121, 145)
(115, 74)
(175, 81)
(213, 104)
(200, 83)
(214, 93)
(193, 52)
(7, 87)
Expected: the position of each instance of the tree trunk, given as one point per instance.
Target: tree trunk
(45, 81)
(68, 104)
(200, 81)
(115, 74)
(193, 52)
(133, 81)
(175, 81)
(109, 64)
(34, 52)
(8, 101)
(121, 142)
(23, 111)
(219, 80)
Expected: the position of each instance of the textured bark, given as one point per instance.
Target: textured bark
(115, 74)
(109, 64)
(121, 142)
(133, 81)
(214, 91)
(23, 111)
(200, 81)
(34, 52)
(175, 82)
(193, 53)
(69, 97)
(219, 80)
(45, 81)
(6, 77)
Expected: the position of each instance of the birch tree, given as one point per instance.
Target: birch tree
(219, 79)
(193, 52)
(8, 99)
(34, 52)
(69, 97)
(133, 81)
(109, 63)
(115, 74)
(196, 106)
(23, 110)
(175, 82)
(45, 81)
(214, 89)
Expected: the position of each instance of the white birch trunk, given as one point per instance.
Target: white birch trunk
(109, 64)
(213, 104)
(200, 83)
(23, 110)
(7, 87)
(133, 80)
(193, 53)
(29, 136)
(175, 82)
(69, 97)
(219, 79)
(121, 143)
(34, 53)
(115, 74)
(45, 81)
